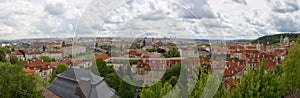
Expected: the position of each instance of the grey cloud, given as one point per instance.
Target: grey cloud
(158, 15)
(55, 9)
(241, 1)
(195, 9)
(213, 23)
(286, 24)
(253, 22)
(284, 6)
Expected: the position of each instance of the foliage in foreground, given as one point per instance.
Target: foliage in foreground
(15, 83)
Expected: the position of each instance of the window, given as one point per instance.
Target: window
(45, 73)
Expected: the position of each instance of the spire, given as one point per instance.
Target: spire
(281, 40)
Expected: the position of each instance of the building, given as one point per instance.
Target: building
(47, 45)
(73, 50)
(189, 52)
(41, 68)
(284, 41)
(80, 83)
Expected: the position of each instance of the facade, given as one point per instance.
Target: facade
(189, 52)
(41, 68)
(73, 50)
(47, 45)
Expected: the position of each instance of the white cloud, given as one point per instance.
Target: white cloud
(283, 6)
(198, 18)
(36, 18)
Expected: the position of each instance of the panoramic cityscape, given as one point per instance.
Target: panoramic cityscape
(149, 49)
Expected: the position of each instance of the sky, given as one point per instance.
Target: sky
(202, 19)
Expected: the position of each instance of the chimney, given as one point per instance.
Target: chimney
(85, 85)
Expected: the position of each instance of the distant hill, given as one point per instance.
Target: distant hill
(273, 39)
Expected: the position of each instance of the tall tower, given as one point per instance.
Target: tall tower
(258, 46)
(286, 40)
(144, 42)
(281, 40)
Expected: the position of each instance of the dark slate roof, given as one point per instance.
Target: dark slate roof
(67, 83)
(70, 73)
(63, 88)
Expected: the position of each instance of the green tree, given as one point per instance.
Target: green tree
(291, 69)
(113, 80)
(59, 69)
(151, 49)
(198, 89)
(47, 59)
(257, 83)
(2, 54)
(103, 69)
(220, 92)
(157, 90)
(15, 83)
(171, 53)
(111, 53)
(172, 72)
(13, 59)
(126, 90)
(134, 47)
(70, 56)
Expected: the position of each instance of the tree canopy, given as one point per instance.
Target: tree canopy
(47, 59)
(15, 83)
(273, 39)
(122, 88)
(152, 49)
(13, 59)
(2, 54)
(59, 69)
(172, 53)
(291, 69)
(257, 83)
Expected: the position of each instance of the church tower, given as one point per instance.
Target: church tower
(258, 46)
(286, 40)
(281, 40)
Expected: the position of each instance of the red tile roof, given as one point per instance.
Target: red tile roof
(46, 43)
(29, 71)
(37, 65)
(17, 52)
(101, 56)
(233, 67)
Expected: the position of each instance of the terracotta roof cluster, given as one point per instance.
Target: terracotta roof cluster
(233, 67)
(136, 52)
(101, 56)
(270, 60)
(205, 61)
(46, 43)
(35, 52)
(156, 64)
(38, 65)
(67, 61)
(17, 52)
(53, 51)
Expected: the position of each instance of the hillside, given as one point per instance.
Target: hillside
(273, 39)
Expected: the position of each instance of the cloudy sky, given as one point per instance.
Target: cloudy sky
(212, 19)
